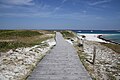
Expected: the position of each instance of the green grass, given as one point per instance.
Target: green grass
(21, 38)
(17, 33)
(67, 34)
(4, 46)
(5, 31)
(114, 47)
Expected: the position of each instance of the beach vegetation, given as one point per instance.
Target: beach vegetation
(83, 58)
(114, 47)
(12, 39)
(67, 34)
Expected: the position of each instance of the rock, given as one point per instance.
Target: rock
(10, 51)
(105, 58)
(19, 57)
(2, 67)
(16, 70)
(15, 65)
(26, 49)
(3, 77)
(28, 61)
(13, 57)
(6, 60)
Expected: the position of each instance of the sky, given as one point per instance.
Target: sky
(60, 14)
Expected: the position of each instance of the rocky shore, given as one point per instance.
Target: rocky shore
(107, 61)
(107, 40)
(17, 64)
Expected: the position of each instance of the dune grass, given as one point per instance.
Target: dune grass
(67, 34)
(17, 33)
(115, 47)
(12, 39)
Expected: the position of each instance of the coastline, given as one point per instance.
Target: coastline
(106, 55)
(97, 38)
(91, 37)
(107, 40)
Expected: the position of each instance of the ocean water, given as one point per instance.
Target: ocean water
(113, 35)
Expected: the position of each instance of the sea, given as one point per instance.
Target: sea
(112, 35)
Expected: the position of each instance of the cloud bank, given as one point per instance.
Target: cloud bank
(100, 2)
(17, 2)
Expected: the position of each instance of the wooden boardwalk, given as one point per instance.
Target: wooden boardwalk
(62, 63)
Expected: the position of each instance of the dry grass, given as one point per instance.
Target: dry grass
(114, 47)
(83, 58)
(12, 39)
(67, 34)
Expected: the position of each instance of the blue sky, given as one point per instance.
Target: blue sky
(59, 14)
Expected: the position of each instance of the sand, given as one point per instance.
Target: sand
(91, 37)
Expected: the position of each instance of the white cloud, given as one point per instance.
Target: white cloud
(5, 6)
(64, 1)
(99, 18)
(100, 2)
(45, 6)
(57, 8)
(17, 2)
(84, 11)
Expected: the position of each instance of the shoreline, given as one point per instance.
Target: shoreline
(106, 56)
(97, 38)
(107, 40)
(91, 37)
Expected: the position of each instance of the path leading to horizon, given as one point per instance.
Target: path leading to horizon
(62, 63)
